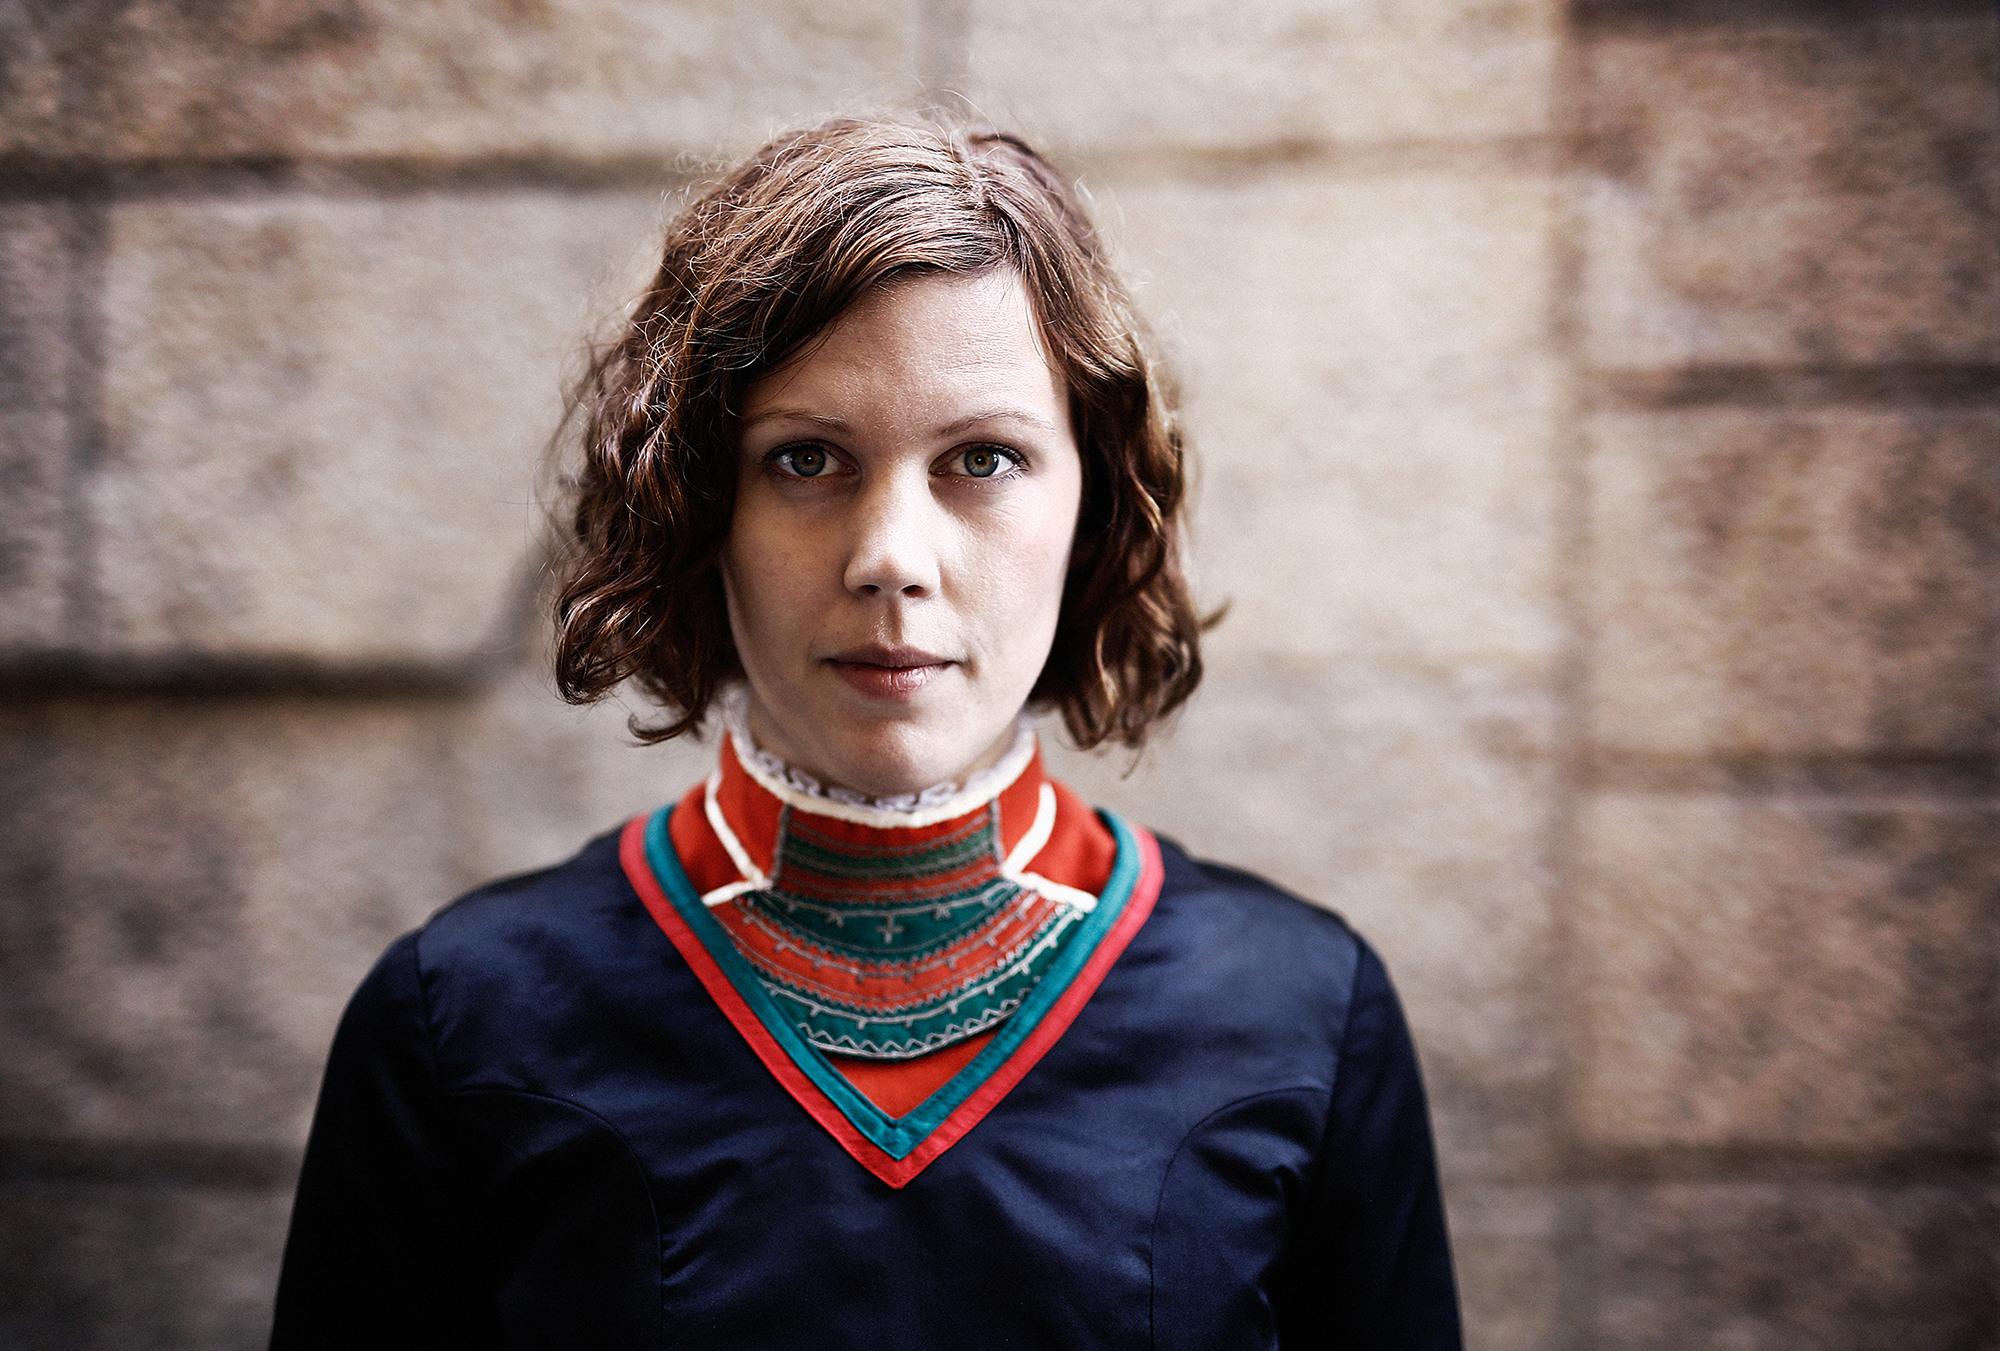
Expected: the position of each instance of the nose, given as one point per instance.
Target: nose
(896, 538)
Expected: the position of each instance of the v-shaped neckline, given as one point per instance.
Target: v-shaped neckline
(893, 1148)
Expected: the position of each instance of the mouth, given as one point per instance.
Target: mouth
(884, 672)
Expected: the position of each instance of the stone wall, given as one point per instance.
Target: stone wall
(1600, 446)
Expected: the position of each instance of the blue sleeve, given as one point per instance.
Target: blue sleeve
(380, 1252)
(1375, 1270)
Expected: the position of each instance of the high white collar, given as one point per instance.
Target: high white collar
(940, 802)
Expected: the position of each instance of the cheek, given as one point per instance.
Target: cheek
(753, 569)
(1021, 576)
(1054, 539)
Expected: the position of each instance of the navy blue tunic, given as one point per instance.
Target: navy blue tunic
(537, 1129)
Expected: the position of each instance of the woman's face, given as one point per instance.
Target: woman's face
(907, 493)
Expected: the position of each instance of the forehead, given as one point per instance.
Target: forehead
(932, 337)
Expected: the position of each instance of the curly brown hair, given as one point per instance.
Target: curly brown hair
(754, 266)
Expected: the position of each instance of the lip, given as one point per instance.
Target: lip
(884, 672)
(881, 654)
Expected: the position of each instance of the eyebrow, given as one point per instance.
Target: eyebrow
(951, 428)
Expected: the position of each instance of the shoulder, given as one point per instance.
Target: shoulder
(505, 976)
(1257, 912)
(526, 905)
(1233, 928)
(570, 925)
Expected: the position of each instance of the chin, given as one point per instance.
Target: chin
(899, 757)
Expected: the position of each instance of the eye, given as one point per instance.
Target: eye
(985, 461)
(801, 461)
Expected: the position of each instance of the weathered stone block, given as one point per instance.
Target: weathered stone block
(1794, 583)
(217, 876)
(1506, 1244)
(1370, 400)
(1823, 1266)
(539, 777)
(35, 425)
(1207, 75)
(578, 78)
(1787, 196)
(102, 1267)
(323, 415)
(1770, 974)
(1416, 812)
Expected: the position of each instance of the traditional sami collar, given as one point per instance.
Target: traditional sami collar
(886, 933)
(839, 938)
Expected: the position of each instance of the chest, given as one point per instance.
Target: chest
(640, 1176)
(712, 1214)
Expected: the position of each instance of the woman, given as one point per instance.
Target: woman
(879, 1036)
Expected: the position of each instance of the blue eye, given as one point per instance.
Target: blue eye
(988, 461)
(802, 461)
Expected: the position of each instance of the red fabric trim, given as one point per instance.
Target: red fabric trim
(894, 1172)
(1055, 1022)
(1080, 853)
(751, 811)
(632, 856)
(759, 945)
(698, 847)
(900, 1087)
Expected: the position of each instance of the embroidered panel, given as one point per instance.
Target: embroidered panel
(889, 951)
(896, 1149)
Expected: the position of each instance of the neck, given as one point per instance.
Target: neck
(940, 802)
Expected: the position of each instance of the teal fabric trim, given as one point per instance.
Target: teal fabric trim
(937, 858)
(895, 1136)
(929, 1025)
(812, 920)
